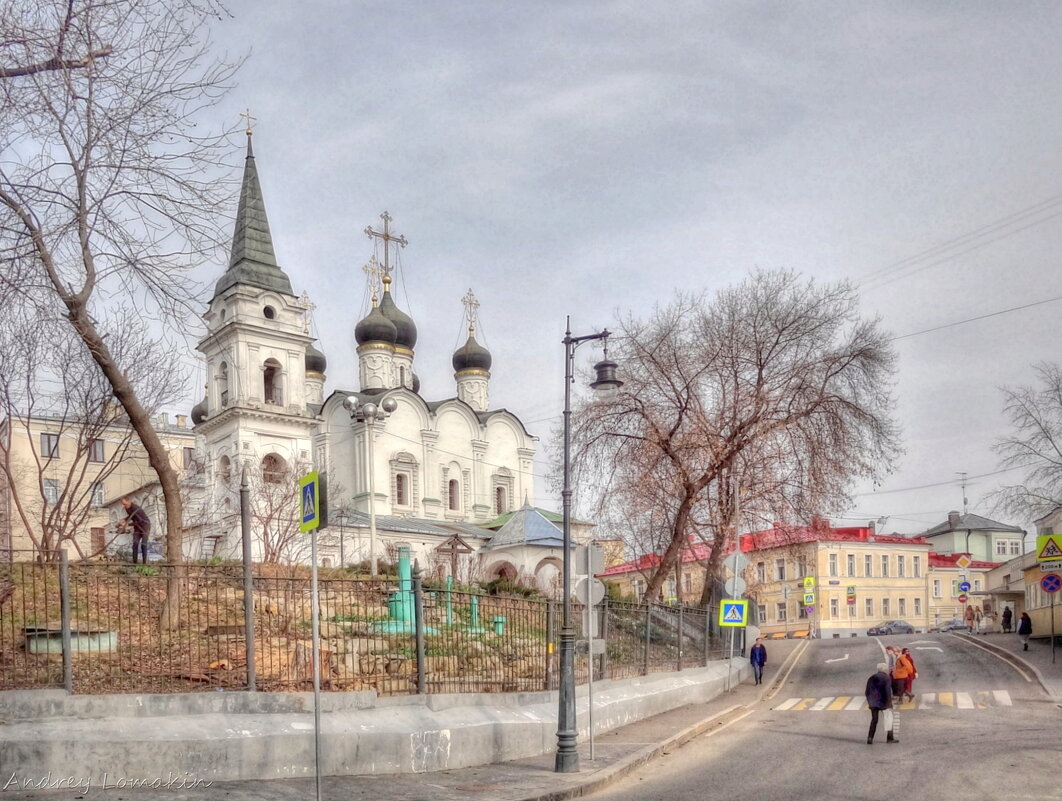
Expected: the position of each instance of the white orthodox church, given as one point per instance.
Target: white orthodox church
(435, 474)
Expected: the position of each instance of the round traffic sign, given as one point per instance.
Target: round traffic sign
(962, 598)
(1051, 582)
(964, 587)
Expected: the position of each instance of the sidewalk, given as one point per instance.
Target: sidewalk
(1037, 659)
(615, 755)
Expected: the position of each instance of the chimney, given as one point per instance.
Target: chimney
(953, 519)
(182, 420)
(164, 419)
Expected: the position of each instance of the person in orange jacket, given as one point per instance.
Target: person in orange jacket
(908, 686)
(903, 670)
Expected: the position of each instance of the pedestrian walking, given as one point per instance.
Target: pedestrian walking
(912, 674)
(879, 699)
(901, 672)
(1024, 630)
(970, 619)
(137, 519)
(1007, 616)
(758, 658)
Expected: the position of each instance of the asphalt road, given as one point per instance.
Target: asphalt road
(978, 729)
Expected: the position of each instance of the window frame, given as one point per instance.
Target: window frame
(97, 452)
(49, 445)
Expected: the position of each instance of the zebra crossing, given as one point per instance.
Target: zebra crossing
(983, 699)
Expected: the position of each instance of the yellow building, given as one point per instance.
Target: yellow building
(59, 476)
(834, 582)
(945, 587)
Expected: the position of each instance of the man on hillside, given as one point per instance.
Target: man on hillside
(137, 519)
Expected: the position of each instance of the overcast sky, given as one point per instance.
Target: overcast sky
(590, 158)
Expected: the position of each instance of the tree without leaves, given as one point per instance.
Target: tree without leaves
(1035, 413)
(107, 188)
(775, 383)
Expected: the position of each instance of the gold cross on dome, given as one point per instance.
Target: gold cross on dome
(471, 305)
(373, 272)
(250, 120)
(387, 237)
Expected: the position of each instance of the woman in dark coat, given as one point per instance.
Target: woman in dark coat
(1024, 630)
(879, 698)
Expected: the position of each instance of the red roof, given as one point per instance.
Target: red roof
(696, 552)
(819, 531)
(949, 560)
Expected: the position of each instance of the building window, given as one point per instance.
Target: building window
(780, 613)
(885, 566)
(1001, 547)
(802, 612)
(761, 572)
(833, 564)
(453, 495)
(271, 388)
(868, 565)
(189, 457)
(868, 606)
(918, 567)
(1015, 547)
(499, 501)
(918, 606)
(273, 469)
(937, 589)
(97, 493)
(954, 588)
(851, 564)
(95, 450)
(835, 608)
(901, 565)
(50, 446)
(401, 490)
(51, 491)
(885, 607)
(761, 613)
(687, 583)
(851, 610)
(779, 569)
(902, 607)
(225, 469)
(977, 585)
(802, 566)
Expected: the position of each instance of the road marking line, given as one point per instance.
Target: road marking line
(1002, 697)
(963, 701)
(946, 699)
(856, 704)
(803, 704)
(839, 703)
(822, 703)
(927, 700)
(787, 704)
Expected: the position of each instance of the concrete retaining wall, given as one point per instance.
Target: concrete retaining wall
(235, 735)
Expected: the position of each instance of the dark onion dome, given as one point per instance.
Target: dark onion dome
(404, 325)
(315, 360)
(199, 412)
(416, 383)
(375, 328)
(471, 356)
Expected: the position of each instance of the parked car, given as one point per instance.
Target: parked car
(951, 625)
(891, 627)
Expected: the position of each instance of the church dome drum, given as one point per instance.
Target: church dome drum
(375, 328)
(471, 356)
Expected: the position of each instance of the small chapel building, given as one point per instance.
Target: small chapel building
(435, 474)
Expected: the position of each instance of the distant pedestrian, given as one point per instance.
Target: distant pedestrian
(137, 519)
(912, 674)
(1024, 630)
(970, 617)
(879, 699)
(1007, 616)
(758, 658)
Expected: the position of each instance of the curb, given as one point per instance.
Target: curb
(1012, 658)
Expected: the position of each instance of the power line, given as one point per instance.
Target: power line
(952, 482)
(979, 317)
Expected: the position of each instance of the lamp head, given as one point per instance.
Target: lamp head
(389, 405)
(606, 383)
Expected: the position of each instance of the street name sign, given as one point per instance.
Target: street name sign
(1047, 567)
(733, 614)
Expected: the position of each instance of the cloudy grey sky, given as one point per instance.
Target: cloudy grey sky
(589, 158)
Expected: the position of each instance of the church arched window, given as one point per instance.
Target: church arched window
(454, 494)
(499, 500)
(271, 383)
(223, 384)
(225, 469)
(401, 490)
(274, 469)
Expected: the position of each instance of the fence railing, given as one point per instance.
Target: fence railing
(98, 628)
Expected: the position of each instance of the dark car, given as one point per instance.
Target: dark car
(951, 625)
(891, 627)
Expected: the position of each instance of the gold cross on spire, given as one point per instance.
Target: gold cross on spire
(308, 307)
(373, 271)
(250, 121)
(387, 238)
(471, 305)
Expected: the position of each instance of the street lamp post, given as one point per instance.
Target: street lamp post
(369, 413)
(567, 760)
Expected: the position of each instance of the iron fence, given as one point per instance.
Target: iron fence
(100, 628)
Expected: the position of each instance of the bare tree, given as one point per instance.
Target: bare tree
(108, 189)
(776, 382)
(1035, 446)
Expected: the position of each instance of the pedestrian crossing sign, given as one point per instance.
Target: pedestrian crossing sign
(1048, 547)
(310, 491)
(733, 614)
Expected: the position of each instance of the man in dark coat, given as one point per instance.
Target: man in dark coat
(141, 525)
(879, 698)
(1007, 617)
(758, 658)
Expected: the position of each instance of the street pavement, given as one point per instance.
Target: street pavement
(615, 754)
